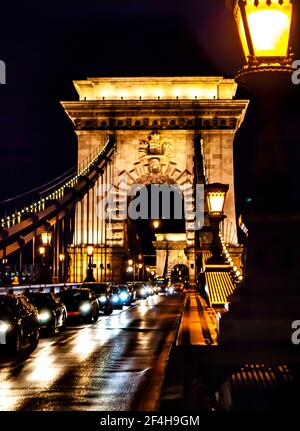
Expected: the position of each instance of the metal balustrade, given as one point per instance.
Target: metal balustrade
(21, 228)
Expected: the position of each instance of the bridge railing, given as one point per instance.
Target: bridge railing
(42, 195)
(37, 287)
(21, 228)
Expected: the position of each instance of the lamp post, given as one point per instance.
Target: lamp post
(140, 266)
(43, 274)
(90, 273)
(267, 300)
(264, 28)
(130, 268)
(61, 267)
(216, 195)
(46, 240)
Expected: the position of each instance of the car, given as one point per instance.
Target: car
(132, 291)
(178, 287)
(116, 301)
(81, 303)
(52, 312)
(175, 289)
(19, 324)
(162, 283)
(169, 290)
(102, 291)
(149, 289)
(127, 295)
(141, 291)
(156, 288)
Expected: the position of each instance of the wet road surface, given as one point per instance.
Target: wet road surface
(108, 365)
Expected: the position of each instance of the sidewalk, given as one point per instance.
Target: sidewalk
(183, 389)
(198, 323)
(195, 358)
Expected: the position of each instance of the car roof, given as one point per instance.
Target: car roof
(76, 289)
(39, 293)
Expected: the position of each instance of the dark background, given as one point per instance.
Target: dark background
(48, 44)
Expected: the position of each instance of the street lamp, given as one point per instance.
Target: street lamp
(42, 250)
(90, 250)
(140, 266)
(130, 269)
(264, 27)
(46, 237)
(89, 273)
(215, 195)
(156, 224)
(44, 272)
(61, 258)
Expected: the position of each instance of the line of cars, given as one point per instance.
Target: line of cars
(22, 316)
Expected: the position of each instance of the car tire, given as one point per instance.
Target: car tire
(63, 326)
(15, 345)
(96, 316)
(109, 311)
(34, 339)
(93, 317)
(51, 328)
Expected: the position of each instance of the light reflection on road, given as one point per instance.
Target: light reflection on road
(98, 366)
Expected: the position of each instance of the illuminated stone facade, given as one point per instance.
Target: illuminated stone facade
(155, 122)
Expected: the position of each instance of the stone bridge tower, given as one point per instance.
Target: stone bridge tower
(155, 123)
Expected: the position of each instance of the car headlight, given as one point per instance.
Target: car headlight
(44, 316)
(115, 298)
(103, 299)
(4, 327)
(124, 296)
(85, 308)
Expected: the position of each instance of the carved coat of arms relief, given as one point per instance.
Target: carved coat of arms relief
(155, 152)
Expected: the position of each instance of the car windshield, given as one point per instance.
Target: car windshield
(99, 288)
(74, 296)
(7, 305)
(115, 289)
(40, 300)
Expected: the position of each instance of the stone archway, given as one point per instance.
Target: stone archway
(172, 250)
(180, 274)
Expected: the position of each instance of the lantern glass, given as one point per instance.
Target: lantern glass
(216, 202)
(156, 224)
(130, 262)
(42, 250)
(269, 27)
(46, 238)
(90, 250)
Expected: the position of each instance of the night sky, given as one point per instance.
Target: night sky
(48, 44)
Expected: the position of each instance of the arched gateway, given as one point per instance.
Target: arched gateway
(161, 127)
